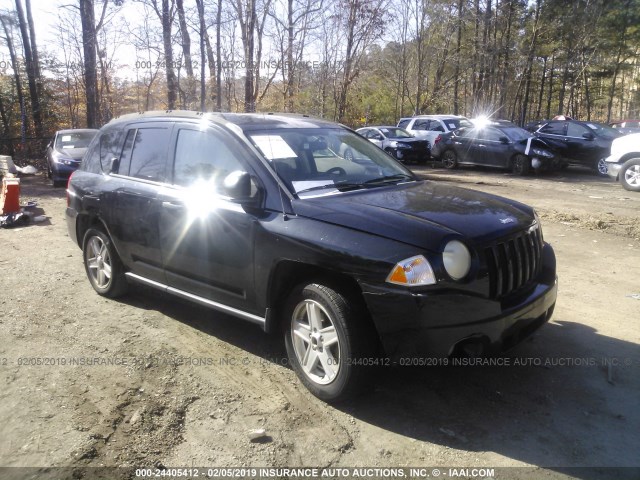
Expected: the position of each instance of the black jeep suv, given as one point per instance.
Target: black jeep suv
(355, 260)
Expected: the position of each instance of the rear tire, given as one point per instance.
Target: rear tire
(521, 165)
(329, 342)
(449, 159)
(102, 264)
(629, 175)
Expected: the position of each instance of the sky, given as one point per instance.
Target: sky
(45, 17)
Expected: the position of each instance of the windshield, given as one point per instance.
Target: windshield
(394, 132)
(320, 161)
(603, 130)
(74, 139)
(516, 133)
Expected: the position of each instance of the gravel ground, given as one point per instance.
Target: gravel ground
(150, 381)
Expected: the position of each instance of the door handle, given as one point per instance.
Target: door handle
(482, 146)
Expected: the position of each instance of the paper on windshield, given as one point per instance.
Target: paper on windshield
(66, 138)
(452, 126)
(273, 146)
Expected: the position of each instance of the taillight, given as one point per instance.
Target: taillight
(438, 138)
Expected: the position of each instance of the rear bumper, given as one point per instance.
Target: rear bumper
(71, 216)
(442, 323)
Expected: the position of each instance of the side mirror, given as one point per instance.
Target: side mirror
(588, 136)
(237, 186)
(504, 140)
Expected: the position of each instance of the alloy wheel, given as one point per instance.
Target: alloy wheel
(315, 342)
(99, 262)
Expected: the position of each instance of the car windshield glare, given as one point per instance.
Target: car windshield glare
(320, 161)
(74, 139)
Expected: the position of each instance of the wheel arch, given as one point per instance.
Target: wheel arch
(288, 274)
(92, 220)
(628, 156)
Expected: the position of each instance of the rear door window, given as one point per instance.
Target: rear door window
(553, 128)
(576, 130)
(149, 154)
(404, 122)
(436, 126)
(421, 124)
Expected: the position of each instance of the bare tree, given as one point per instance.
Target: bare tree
(8, 37)
(188, 92)
(32, 70)
(362, 21)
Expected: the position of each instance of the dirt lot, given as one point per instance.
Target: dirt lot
(149, 381)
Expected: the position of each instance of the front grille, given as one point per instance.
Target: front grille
(512, 264)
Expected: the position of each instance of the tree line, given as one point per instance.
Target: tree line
(354, 61)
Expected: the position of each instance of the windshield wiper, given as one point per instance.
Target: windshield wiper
(389, 179)
(343, 186)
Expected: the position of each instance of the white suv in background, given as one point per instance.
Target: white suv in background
(433, 127)
(624, 162)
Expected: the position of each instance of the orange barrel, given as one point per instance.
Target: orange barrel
(10, 196)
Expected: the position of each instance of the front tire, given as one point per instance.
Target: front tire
(102, 264)
(630, 175)
(601, 167)
(449, 159)
(328, 341)
(521, 165)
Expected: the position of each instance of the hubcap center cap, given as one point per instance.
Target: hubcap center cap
(316, 341)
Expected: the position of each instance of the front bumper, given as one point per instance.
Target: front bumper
(443, 323)
(613, 169)
(60, 171)
(411, 155)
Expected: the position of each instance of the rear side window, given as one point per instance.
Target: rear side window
(91, 161)
(404, 122)
(109, 148)
(149, 154)
(203, 156)
(553, 128)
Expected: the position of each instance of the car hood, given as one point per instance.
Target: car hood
(73, 153)
(628, 142)
(421, 213)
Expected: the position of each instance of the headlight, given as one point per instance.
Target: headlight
(456, 259)
(412, 272)
(63, 161)
(403, 146)
(542, 153)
